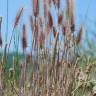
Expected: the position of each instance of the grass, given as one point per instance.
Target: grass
(56, 70)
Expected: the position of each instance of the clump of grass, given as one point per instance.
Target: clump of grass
(51, 70)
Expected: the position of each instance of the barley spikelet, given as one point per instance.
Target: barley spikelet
(24, 42)
(36, 7)
(78, 39)
(17, 18)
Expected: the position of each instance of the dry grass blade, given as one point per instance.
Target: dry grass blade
(24, 42)
(0, 23)
(0, 32)
(0, 41)
(79, 35)
(35, 34)
(17, 18)
(54, 52)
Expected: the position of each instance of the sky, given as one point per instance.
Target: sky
(84, 11)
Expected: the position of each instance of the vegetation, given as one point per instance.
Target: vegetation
(55, 66)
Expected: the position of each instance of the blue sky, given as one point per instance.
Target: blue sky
(84, 13)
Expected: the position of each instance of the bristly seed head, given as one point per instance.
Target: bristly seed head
(24, 42)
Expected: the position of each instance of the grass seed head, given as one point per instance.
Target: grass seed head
(60, 17)
(31, 23)
(17, 18)
(36, 7)
(72, 25)
(50, 21)
(54, 32)
(24, 41)
(64, 28)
